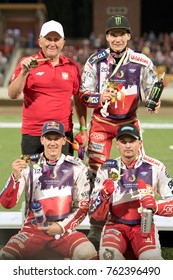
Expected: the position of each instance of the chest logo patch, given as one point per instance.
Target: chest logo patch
(65, 76)
(39, 73)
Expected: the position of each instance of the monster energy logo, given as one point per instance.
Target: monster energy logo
(118, 20)
(155, 92)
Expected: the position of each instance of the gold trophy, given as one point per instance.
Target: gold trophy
(114, 86)
(120, 95)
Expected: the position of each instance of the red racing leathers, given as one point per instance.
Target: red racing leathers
(121, 208)
(135, 75)
(63, 191)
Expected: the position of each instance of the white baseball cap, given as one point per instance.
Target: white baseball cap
(51, 26)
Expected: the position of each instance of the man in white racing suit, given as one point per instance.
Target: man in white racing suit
(112, 83)
(61, 184)
(123, 187)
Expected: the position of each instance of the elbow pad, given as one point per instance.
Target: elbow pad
(91, 99)
(165, 208)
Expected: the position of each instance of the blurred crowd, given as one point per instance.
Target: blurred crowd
(12, 38)
(158, 47)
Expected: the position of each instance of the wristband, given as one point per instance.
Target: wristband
(83, 127)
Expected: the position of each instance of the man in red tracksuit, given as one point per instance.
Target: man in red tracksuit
(48, 81)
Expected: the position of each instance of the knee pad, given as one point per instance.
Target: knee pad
(85, 251)
(110, 253)
(6, 256)
(153, 254)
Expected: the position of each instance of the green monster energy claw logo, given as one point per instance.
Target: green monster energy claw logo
(118, 20)
(155, 92)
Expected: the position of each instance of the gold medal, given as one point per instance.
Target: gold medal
(29, 162)
(113, 175)
(26, 158)
(34, 62)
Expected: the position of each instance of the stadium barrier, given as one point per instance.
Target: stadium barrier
(11, 223)
(14, 220)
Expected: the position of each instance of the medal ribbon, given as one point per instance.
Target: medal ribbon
(117, 66)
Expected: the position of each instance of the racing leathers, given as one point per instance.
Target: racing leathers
(63, 190)
(131, 76)
(121, 209)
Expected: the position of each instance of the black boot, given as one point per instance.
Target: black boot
(94, 235)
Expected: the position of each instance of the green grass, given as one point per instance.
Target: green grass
(167, 253)
(10, 118)
(156, 144)
(9, 151)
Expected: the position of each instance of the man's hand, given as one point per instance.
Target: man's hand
(108, 94)
(78, 138)
(149, 202)
(156, 110)
(52, 229)
(108, 188)
(158, 105)
(25, 64)
(82, 138)
(17, 167)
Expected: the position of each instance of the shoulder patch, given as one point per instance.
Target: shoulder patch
(74, 160)
(98, 56)
(153, 161)
(139, 58)
(35, 157)
(109, 164)
(30, 158)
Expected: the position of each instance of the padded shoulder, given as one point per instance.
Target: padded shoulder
(153, 161)
(111, 163)
(96, 57)
(73, 160)
(35, 157)
(140, 59)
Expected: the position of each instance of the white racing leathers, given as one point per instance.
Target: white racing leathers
(63, 190)
(136, 75)
(121, 210)
(134, 78)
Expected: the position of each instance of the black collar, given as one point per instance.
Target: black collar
(50, 162)
(117, 54)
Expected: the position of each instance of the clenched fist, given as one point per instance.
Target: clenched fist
(149, 202)
(108, 188)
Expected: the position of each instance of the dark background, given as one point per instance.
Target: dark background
(76, 15)
(156, 16)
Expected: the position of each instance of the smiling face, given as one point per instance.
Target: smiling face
(53, 143)
(117, 39)
(51, 44)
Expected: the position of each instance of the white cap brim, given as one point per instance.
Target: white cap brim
(51, 26)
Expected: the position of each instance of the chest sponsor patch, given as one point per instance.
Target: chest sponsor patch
(65, 76)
